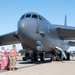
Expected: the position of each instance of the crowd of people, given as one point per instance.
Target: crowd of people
(8, 60)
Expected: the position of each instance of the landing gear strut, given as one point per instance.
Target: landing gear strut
(56, 56)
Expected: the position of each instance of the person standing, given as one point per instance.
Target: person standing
(4, 59)
(13, 57)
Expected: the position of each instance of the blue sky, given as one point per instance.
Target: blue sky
(53, 10)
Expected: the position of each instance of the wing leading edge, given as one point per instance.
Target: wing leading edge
(10, 38)
(65, 32)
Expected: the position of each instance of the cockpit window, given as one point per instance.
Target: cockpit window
(40, 17)
(22, 17)
(34, 16)
(28, 15)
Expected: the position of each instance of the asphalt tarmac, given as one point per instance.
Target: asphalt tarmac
(38, 68)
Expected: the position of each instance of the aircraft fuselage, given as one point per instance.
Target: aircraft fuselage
(36, 32)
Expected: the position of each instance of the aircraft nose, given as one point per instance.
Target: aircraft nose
(27, 27)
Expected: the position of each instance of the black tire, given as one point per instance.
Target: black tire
(41, 57)
(24, 58)
(50, 59)
(68, 56)
(34, 56)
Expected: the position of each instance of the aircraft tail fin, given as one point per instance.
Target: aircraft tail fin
(65, 22)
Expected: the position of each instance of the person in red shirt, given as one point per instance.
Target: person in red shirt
(13, 58)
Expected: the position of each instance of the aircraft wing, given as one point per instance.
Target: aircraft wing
(65, 32)
(10, 38)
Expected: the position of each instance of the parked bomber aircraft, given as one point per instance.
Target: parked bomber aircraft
(44, 39)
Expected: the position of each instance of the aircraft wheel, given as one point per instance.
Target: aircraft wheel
(24, 58)
(34, 56)
(60, 56)
(50, 59)
(42, 57)
(68, 56)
